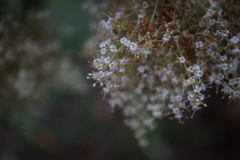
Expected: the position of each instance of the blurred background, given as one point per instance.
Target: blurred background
(48, 110)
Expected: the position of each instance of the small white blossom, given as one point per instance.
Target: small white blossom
(236, 51)
(113, 65)
(224, 33)
(133, 46)
(186, 82)
(234, 39)
(196, 67)
(209, 13)
(198, 74)
(201, 23)
(145, 5)
(190, 69)
(127, 43)
(157, 113)
(166, 37)
(224, 66)
(105, 90)
(178, 113)
(103, 51)
(223, 58)
(211, 22)
(97, 63)
(182, 59)
(106, 60)
(197, 89)
(140, 38)
(113, 48)
(199, 44)
(108, 25)
(104, 44)
(122, 40)
(192, 80)
(141, 69)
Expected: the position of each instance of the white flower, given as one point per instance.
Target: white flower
(206, 32)
(157, 113)
(155, 33)
(124, 61)
(199, 44)
(127, 43)
(140, 17)
(192, 80)
(113, 48)
(191, 97)
(209, 13)
(122, 40)
(223, 58)
(165, 92)
(174, 80)
(224, 33)
(106, 60)
(224, 66)
(108, 25)
(190, 69)
(198, 74)
(140, 38)
(201, 23)
(145, 5)
(141, 69)
(97, 63)
(103, 51)
(153, 107)
(133, 46)
(166, 37)
(197, 89)
(196, 67)
(220, 76)
(122, 69)
(170, 106)
(104, 44)
(113, 66)
(234, 39)
(195, 108)
(211, 22)
(105, 90)
(178, 98)
(177, 112)
(236, 94)
(182, 59)
(236, 51)
(124, 79)
(186, 82)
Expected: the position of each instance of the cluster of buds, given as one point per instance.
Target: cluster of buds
(157, 58)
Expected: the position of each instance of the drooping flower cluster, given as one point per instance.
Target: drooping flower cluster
(157, 58)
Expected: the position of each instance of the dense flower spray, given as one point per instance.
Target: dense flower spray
(156, 58)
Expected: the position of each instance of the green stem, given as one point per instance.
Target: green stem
(153, 14)
(202, 6)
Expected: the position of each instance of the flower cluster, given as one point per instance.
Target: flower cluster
(157, 58)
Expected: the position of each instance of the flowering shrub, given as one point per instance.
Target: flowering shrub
(157, 58)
